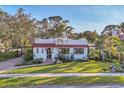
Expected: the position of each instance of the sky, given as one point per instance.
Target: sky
(82, 18)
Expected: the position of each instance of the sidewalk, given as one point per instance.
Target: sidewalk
(81, 86)
(59, 74)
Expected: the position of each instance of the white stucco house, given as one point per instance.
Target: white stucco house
(51, 48)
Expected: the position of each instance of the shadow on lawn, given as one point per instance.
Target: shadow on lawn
(71, 67)
(87, 67)
(57, 68)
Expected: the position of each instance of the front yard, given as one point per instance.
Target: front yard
(38, 81)
(70, 67)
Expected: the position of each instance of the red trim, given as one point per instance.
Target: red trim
(53, 45)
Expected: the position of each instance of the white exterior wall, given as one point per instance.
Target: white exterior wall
(71, 50)
(85, 53)
(39, 54)
(55, 51)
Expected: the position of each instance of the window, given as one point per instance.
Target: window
(78, 50)
(64, 51)
(37, 50)
(42, 50)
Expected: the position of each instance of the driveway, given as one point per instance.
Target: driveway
(9, 64)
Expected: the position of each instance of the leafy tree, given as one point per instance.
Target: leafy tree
(6, 32)
(111, 42)
(109, 28)
(25, 27)
(54, 27)
(90, 36)
(17, 30)
(122, 27)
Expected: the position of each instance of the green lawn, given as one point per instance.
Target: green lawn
(70, 67)
(35, 81)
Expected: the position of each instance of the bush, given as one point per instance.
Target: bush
(60, 59)
(12, 54)
(65, 59)
(37, 61)
(9, 55)
(28, 55)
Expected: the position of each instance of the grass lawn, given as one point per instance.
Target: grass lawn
(35, 81)
(70, 67)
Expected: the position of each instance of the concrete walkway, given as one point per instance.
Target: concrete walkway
(60, 74)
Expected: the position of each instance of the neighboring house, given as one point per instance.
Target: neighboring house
(122, 36)
(115, 32)
(118, 33)
(52, 48)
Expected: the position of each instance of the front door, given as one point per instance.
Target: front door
(49, 53)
